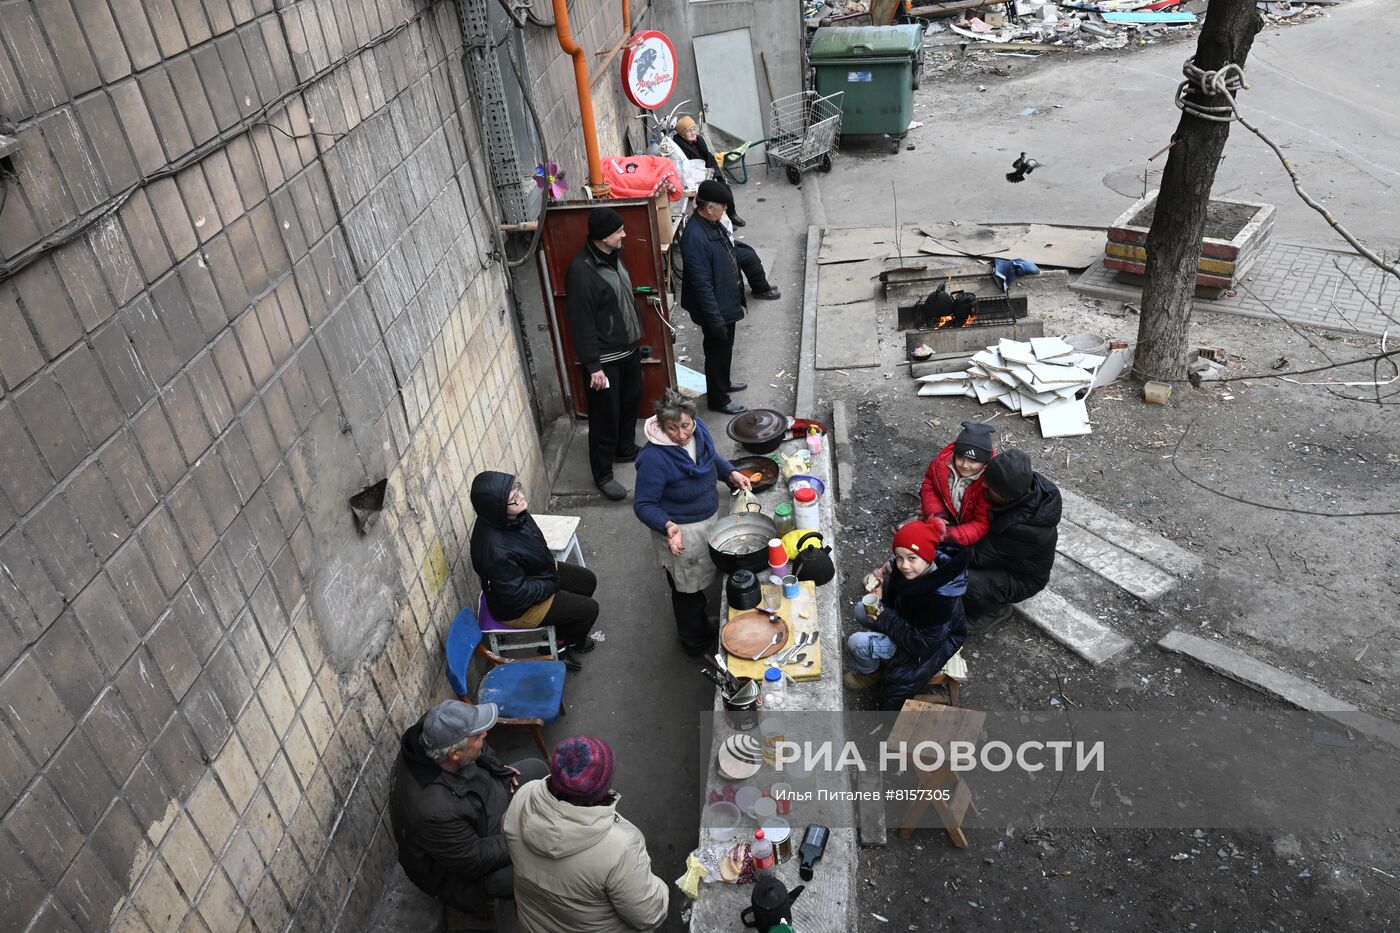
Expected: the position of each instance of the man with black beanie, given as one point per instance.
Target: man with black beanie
(712, 292)
(1012, 562)
(605, 329)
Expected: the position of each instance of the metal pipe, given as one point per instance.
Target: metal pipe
(585, 94)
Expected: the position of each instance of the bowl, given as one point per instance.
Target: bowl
(721, 820)
(798, 480)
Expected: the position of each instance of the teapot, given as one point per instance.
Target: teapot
(770, 904)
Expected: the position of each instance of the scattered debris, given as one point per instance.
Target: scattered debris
(1045, 377)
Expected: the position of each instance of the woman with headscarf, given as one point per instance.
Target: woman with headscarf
(688, 138)
(524, 586)
(675, 497)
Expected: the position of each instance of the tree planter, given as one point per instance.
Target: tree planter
(1235, 235)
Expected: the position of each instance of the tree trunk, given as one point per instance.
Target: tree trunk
(1174, 241)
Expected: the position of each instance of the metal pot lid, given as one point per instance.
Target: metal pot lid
(757, 426)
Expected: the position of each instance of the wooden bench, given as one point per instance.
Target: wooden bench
(921, 721)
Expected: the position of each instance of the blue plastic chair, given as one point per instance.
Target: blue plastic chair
(529, 692)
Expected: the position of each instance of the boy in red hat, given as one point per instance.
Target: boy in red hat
(952, 487)
(920, 629)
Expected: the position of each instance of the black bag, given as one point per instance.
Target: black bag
(770, 904)
(814, 563)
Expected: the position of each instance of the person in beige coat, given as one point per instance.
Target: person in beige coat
(580, 867)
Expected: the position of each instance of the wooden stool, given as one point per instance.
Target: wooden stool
(920, 721)
(561, 536)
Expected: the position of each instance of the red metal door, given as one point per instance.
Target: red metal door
(565, 231)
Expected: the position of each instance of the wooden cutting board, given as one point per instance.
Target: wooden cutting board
(791, 610)
(747, 633)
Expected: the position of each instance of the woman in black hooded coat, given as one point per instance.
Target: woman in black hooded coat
(524, 586)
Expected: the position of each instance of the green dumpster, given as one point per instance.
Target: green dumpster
(878, 68)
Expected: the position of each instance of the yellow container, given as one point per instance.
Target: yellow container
(792, 537)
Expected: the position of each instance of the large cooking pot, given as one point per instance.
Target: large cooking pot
(758, 430)
(740, 541)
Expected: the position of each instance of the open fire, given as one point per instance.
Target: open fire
(986, 312)
(951, 320)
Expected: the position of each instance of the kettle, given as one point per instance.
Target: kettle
(742, 590)
(770, 903)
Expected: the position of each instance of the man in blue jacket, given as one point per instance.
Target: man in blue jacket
(712, 292)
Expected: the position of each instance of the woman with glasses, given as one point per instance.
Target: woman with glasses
(675, 497)
(524, 586)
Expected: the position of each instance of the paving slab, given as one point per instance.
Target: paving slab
(849, 282)
(1303, 284)
(1115, 529)
(870, 814)
(1072, 627)
(1112, 562)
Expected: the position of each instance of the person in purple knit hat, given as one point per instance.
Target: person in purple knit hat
(580, 866)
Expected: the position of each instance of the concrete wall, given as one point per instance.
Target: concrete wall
(203, 668)
(776, 33)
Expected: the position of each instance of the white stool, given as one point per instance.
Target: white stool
(561, 536)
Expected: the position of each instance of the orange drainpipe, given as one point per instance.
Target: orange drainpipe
(585, 96)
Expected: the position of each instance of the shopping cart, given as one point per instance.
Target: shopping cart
(803, 132)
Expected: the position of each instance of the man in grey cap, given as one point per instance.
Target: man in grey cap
(449, 798)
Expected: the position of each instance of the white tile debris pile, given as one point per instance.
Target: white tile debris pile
(1045, 378)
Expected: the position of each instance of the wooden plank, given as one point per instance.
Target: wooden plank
(1114, 564)
(846, 337)
(971, 339)
(1151, 547)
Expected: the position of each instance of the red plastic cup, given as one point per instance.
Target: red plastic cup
(777, 554)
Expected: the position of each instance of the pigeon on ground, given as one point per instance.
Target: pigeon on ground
(1023, 167)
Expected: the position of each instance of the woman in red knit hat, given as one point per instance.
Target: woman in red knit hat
(920, 629)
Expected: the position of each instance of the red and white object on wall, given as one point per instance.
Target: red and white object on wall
(649, 69)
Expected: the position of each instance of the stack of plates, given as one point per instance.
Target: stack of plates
(740, 757)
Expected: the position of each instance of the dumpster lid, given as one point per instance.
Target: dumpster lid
(830, 43)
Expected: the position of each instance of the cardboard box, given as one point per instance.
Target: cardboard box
(664, 227)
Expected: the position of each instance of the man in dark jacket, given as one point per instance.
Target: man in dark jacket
(604, 329)
(525, 586)
(712, 292)
(1012, 562)
(448, 802)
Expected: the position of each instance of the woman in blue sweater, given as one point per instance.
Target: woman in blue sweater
(675, 497)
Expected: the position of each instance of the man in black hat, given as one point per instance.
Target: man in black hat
(712, 292)
(448, 805)
(1012, 562)
(604, 328)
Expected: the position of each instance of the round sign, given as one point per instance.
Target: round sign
(649, 69)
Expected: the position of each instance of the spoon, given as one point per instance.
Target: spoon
(777, 637)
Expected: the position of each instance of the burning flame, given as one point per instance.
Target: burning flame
(970, 319)
(943, 322)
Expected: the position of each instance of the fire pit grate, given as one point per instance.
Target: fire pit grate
(986, 312)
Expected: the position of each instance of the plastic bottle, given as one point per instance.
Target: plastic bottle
(814, 440)
(764, 858)
(774, 689)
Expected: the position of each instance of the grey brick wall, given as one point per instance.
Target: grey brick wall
(203, 668)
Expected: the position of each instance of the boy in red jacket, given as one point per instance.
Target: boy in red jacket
(952, 488)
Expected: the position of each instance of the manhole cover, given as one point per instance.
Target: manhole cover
(1129, 181)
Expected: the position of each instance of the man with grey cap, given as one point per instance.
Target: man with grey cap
(448, 804)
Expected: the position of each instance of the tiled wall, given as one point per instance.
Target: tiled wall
(203, 667)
